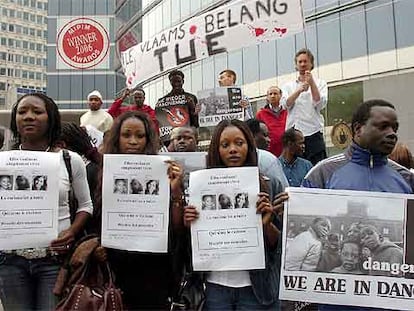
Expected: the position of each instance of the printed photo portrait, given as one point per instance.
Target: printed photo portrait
(359, 236)
(39, 182)
(224, 201)
(22, 183)
(135, 187)
(6, 182)
(241, 200)
(208, 202)
(120, 185)
(152, 187)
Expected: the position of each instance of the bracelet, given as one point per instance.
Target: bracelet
(177, 199)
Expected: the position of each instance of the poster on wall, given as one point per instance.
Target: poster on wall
(358, 254)
(83, 42)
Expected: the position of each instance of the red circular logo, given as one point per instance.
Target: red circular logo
(177, 116)
(83, 43)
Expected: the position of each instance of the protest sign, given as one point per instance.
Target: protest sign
(348, 248)
(191, 162)
(227, 28)
(219, 104)
(135, 203)
(29, 199)
(172, 111)
(228, 234)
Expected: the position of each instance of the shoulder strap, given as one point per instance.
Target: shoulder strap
(72, 206)
(66, 158)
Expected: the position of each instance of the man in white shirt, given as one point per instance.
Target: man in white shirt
(96, 116)
(304, 99)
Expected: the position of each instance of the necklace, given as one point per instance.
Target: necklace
(46, 150)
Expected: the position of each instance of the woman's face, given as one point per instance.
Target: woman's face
(152, 186)
(5, 182)
(233, 147)
(32, 118)
(135, 185)
(241, 200)
(39, 182)
(120, 186)
(132, 137)
(224, 200)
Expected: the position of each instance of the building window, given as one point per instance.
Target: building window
(25, 16)
(24, 74)
(18, 44)
(39, 47)
(38, 61)
(25, 44)
(31, 75)
(38, 76)
(2, 101)
(25, 30)
(11, 27)
(33, 3)
(3, 41)
(39, 33)
(11, 57)
(39, 19)
(19, 14)
(17, 73)
(32, 46)
(2, 86)
(11, 42)
(2, 71)
(3, 26)
(25, 60)
(32, 31)
(18, 58)
(32, 60)
(10, 72)
(18, 29)
(32, 18)
(3, 55)
(12, 13)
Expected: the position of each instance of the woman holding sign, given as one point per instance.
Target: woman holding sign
(232, 145)
(28, 276)
(147, 279)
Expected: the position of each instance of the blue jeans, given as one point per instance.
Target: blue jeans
(27, 284)
(225, 298)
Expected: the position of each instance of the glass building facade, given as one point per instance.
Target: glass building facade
(362, 48)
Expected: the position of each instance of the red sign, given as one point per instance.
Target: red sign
(83, 43)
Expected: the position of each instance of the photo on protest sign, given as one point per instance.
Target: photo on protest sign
(346, 247)
(219, 104)
(6, 182)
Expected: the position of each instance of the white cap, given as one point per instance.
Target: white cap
(96, 94)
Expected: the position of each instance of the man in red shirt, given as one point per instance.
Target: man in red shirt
(275, 119)
(117, 109)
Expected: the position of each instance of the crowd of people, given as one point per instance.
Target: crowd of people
(285, 141)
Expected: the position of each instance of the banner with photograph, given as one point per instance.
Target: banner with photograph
(135, 202)
(228, 234)
(226, 28)
(29, 198)
(348, 248)
(219, 104)
(191, 161)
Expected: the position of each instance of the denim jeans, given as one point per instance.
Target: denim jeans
(225, 298)
(27, 284)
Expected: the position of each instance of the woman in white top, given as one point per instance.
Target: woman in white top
(27, 276)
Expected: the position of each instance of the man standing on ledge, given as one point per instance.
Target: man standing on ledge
(304, 99)
(116, 108)
(96, 116)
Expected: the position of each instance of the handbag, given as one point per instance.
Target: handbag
(191, 294)
(94, 291)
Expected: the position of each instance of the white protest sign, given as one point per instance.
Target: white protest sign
(29, 198)
(227, 28)
(228, 235)
(135, 203)
(369, 232)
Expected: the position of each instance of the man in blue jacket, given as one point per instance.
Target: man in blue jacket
(365, 165)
